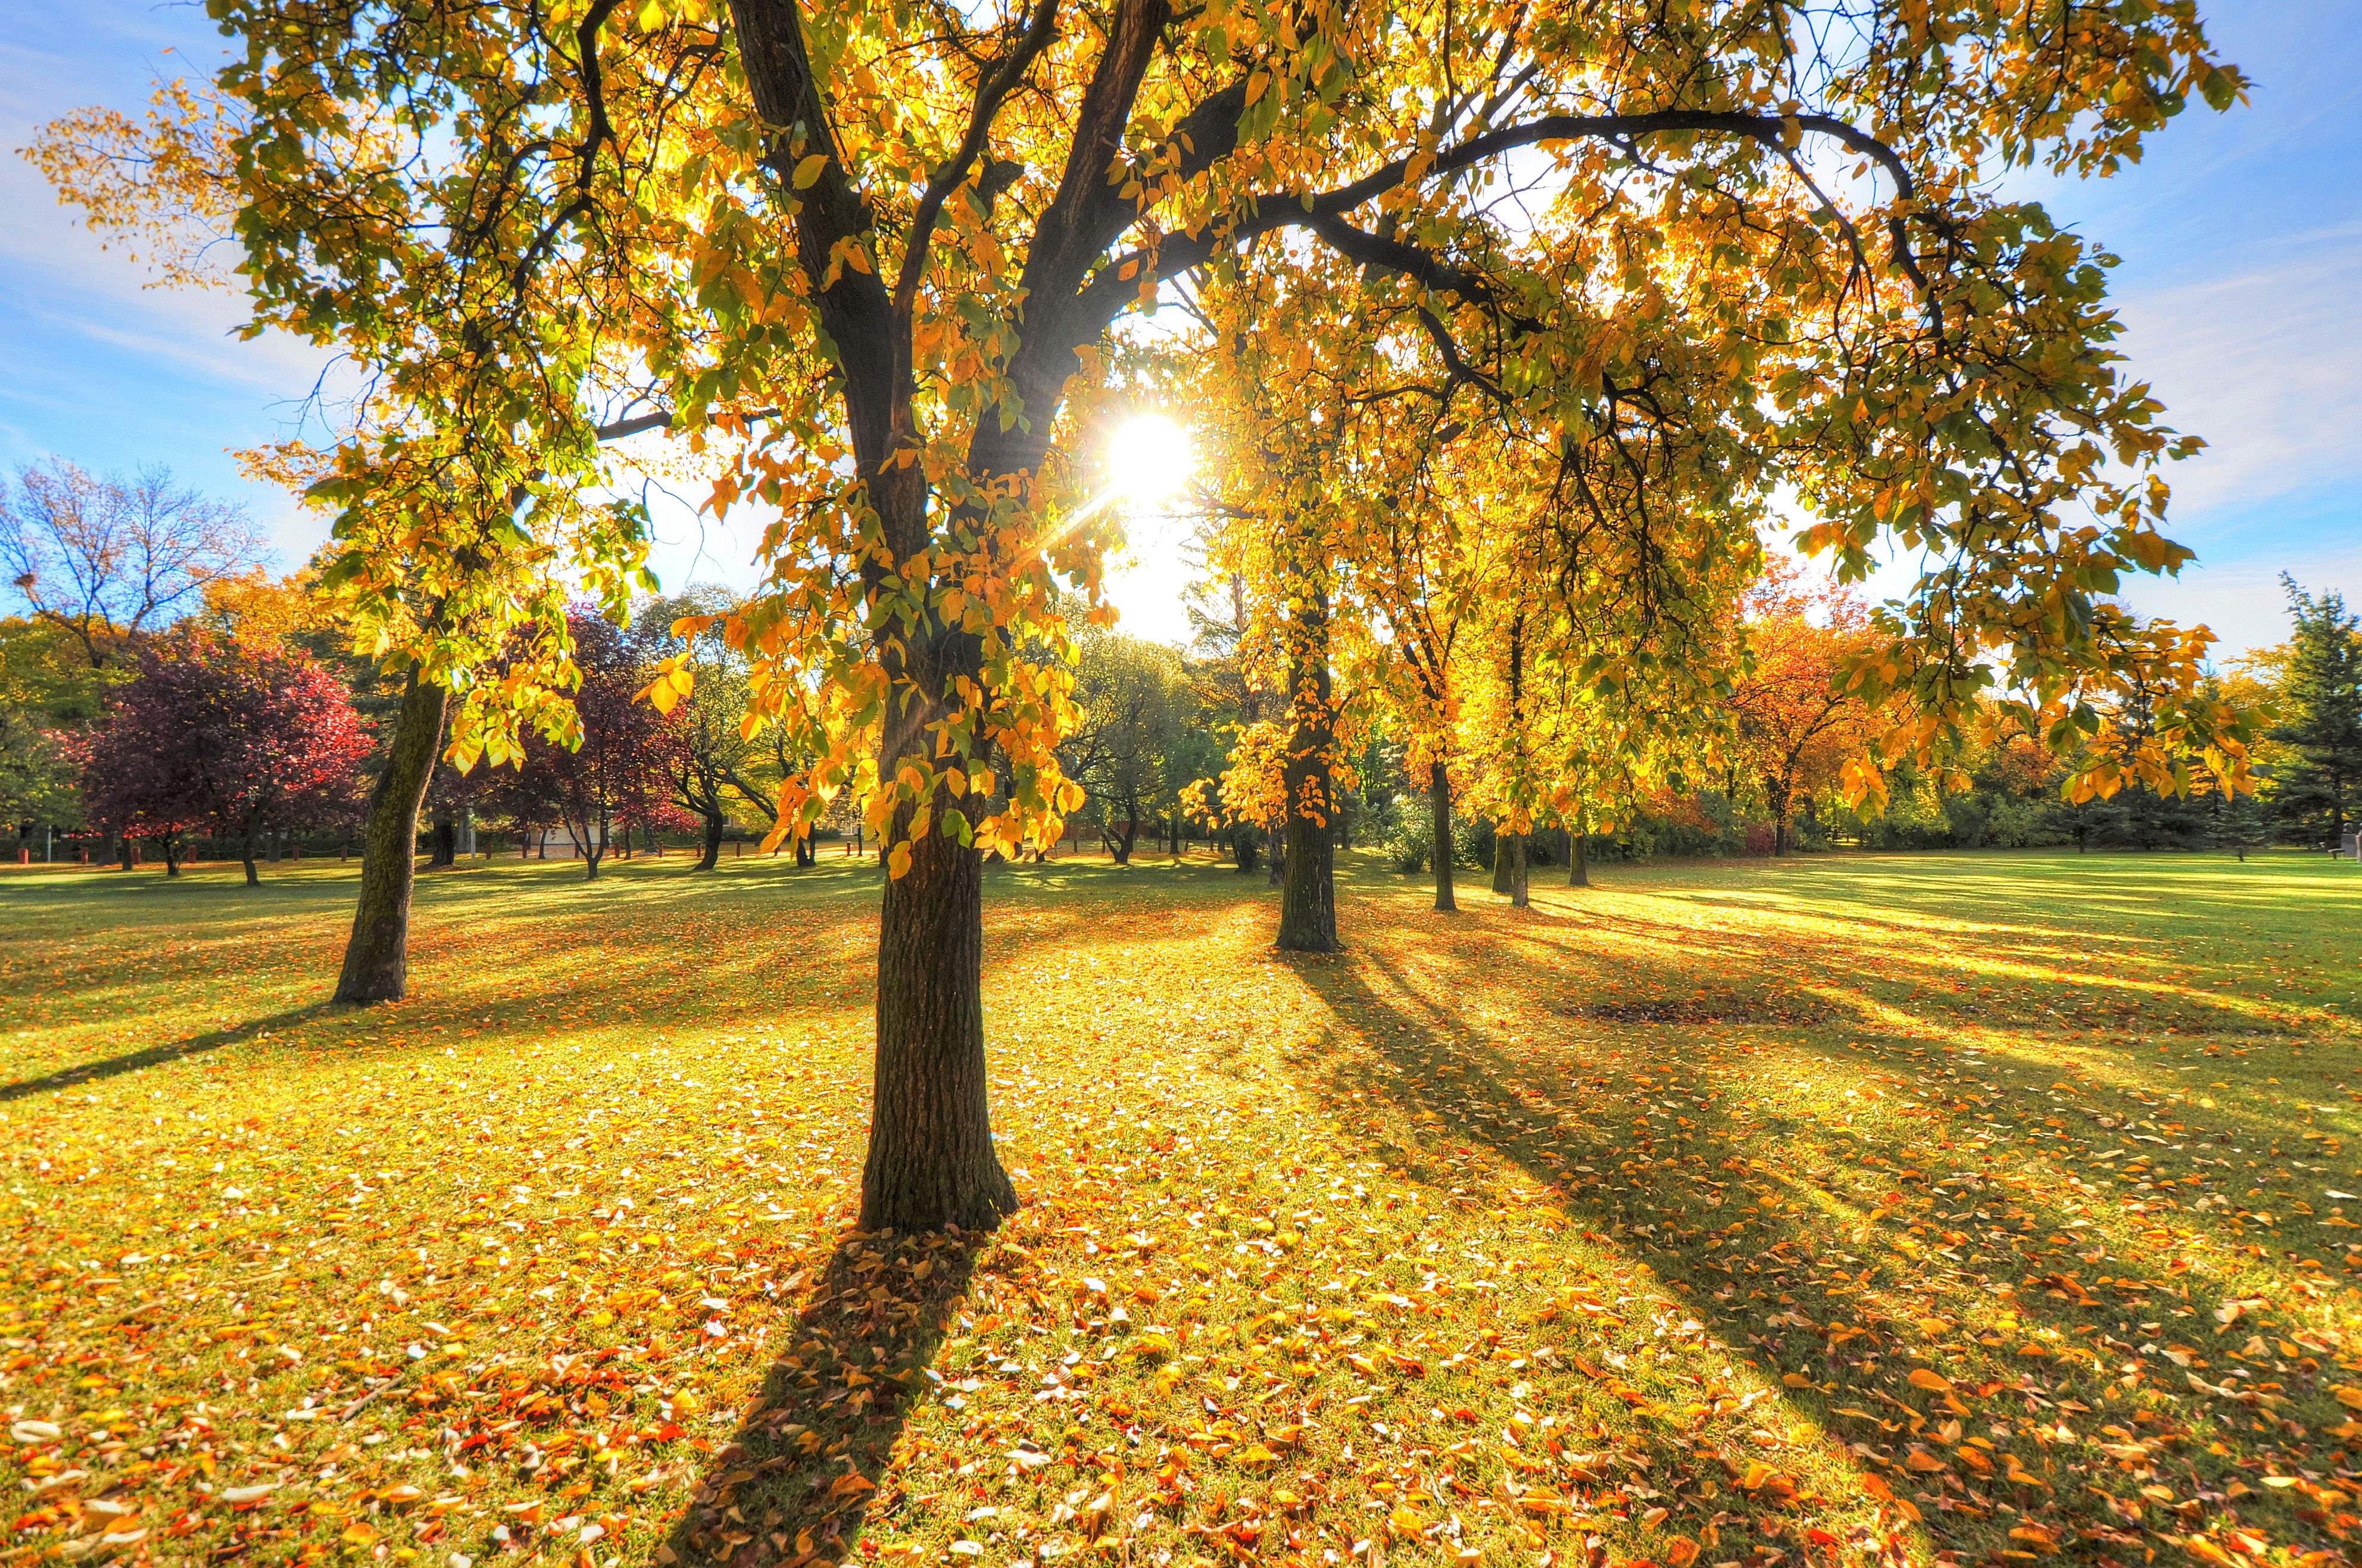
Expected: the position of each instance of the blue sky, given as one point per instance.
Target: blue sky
(2241, 288)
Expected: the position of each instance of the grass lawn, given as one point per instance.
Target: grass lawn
(1926, 1208)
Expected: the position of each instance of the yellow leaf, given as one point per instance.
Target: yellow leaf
(1796, 1380)
(1935, 1382)
(809, 170)
(899, 863)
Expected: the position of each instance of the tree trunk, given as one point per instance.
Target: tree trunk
(444, 843)
(1307, 900)
(171, 845)
(1578, 859)
(122, 848)
(711, 854)
(377, 956)
(245, 854)
(1439, 800)
(807, 853)
(1518, 889)
(1504, 859)
(594, 845)
(930, 1159)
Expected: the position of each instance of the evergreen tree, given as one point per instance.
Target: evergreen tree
(2320, 784)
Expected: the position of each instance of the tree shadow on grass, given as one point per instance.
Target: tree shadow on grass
(84, 1073)
(801, 1475)
(1899, 1292)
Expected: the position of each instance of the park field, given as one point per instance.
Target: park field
(1901, 1208)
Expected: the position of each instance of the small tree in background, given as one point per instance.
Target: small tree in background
(108, 560)
(626, 748)
(216, 734)
(1797, 725)
(2318, 782)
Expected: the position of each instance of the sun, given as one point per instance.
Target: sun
(1150, 459)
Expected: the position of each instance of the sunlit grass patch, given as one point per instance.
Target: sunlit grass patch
(1943, 1203)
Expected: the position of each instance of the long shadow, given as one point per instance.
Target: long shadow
(801, 1474)
(1785, 1251)
(155, 1056)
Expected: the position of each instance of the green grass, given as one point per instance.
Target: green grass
(1855, 1206)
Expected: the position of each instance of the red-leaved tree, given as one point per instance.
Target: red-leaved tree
(226, 736)
(618, 771)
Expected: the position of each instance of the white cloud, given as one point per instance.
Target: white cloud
(2267, 365)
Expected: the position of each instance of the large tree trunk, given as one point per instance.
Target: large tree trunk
(1517, 890)
(711, 854)
(1439, 800)
(377, 954)
(1578, 857)
(931, 1158)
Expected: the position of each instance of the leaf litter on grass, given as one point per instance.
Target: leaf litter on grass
(1835, 1242)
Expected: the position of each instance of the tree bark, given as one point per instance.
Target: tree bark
(1439, 800)
(444, 841)
(377, 954)
(1504, 860)
(1307, 900)
(170, 843)
(1578, 874)
(711, 854)
(1517, 890)
(931, 1158)
(244, 854)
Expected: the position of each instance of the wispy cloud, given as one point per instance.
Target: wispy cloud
(2266, 363)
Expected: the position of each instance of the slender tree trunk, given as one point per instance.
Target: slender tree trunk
(1517, 890)
(807, 853)
(1308, 901)
(377, 956)
(246, 854)
(444, 843)
(1439, 801)
(1578, 859)
(711, 854)
(171, 845)
(122, 848)
(594, 845)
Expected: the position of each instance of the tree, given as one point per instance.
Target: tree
(219, 735)
(1130, 697)
(625, 755)
(1798, 724)
(109, 560)
(877, 293)
(714, 753)
(2319, 782)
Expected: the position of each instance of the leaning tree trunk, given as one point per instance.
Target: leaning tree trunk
(1439, 800)
(711, 855)
(1518, 892)
(377, 954)
(1578, 856)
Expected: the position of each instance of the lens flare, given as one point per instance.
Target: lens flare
(1150, 460)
